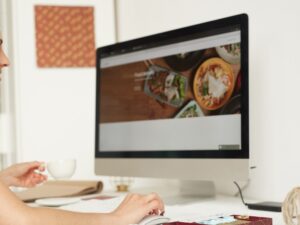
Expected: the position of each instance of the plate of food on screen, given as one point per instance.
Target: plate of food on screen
(231, 53)
(185, 60)
(191, 109)
(213, 83)
(165, 86)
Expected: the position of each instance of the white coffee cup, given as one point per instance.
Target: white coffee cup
(62, 169)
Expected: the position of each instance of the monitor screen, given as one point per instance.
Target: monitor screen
(182, 93)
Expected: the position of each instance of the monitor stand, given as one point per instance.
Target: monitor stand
(197, 188)
(191, 190)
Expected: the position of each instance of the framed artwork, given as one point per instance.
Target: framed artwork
(64, 36)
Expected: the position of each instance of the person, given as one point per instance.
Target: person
(13, 211)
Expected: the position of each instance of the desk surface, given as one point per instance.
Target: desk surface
(193, 208)
(220, 205)
(185, 209)
(188, 210)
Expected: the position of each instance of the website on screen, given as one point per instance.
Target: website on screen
(181, 96)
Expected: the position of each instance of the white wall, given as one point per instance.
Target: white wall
(7, 110)
(56, 107)
(274, 76)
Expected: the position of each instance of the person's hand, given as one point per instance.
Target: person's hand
(24, 174)
(135, 207)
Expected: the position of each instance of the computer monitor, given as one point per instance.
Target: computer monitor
(175, 104)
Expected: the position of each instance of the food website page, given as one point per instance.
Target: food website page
(182, 96)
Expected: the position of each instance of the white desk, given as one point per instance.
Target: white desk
(184, 210)
(196, 208)
(221, 205)
(193, 211)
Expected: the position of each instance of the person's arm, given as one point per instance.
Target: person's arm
(133, 209)
(12, 211)
(48, 216)
(15, 212)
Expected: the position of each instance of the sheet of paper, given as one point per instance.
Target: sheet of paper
(95, 205)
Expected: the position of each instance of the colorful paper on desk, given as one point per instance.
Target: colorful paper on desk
(52, 189)
(230, 220)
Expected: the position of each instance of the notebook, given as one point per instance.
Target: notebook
(52, 189)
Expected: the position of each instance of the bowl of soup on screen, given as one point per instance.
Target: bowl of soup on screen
(61, 169)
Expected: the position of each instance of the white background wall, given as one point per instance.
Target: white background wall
(274, 76)
(7, 141)
(56, 107)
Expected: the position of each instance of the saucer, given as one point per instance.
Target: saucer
(55, 202)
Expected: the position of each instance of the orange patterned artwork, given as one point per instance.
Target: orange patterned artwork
(65, 36)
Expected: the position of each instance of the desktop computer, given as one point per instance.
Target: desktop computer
(175, 104)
